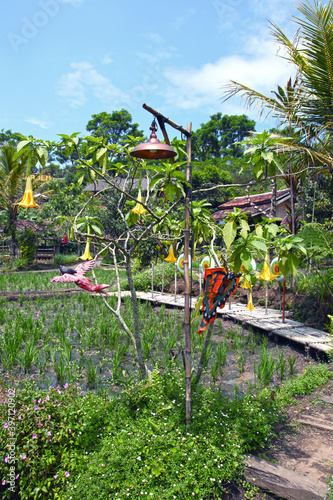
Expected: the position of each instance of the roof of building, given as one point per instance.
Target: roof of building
(101, 184)
(252, 205)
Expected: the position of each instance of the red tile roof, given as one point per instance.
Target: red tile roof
(262, 201)
(28, 224)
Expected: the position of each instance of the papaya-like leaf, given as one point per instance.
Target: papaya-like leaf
(229, 233)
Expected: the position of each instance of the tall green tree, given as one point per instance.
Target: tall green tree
(113, 126)
(12, 180)
(217, 137)
(7, 136)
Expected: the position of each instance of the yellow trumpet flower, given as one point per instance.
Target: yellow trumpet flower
(246, 285)
(250, 305)
(266, 274)
(171, 257)
(86, 255)
(28, 199)
(138, 209)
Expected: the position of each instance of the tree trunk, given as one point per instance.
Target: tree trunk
(136, 329)
(12, 231)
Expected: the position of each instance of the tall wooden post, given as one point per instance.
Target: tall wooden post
(162, 120)
(187, 281)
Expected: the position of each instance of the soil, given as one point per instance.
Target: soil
(301, 448)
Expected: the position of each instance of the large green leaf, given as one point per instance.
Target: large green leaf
(229, 233)
(170, 191)
(293, 263)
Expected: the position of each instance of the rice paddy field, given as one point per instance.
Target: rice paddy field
(63, 339)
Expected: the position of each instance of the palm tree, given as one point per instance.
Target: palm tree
(307, 105)
(12, 179)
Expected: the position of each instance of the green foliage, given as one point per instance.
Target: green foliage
(211, 173)
(142, 279)
(53, 428)
(262, 155)
(113, 126)
(147, 252)
(61, 258)
(288, 246)
(219, 136)
(28, 244)
(319, 241)
(241, 242)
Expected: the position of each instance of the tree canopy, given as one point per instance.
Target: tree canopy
(113, 126)
(217, 137)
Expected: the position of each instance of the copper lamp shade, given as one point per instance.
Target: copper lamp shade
(153, 149)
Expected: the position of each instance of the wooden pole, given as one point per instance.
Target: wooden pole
(200, 281)
(152, 281)
(175, 281)
(284, 301)
(163, 277)
(266, 296)
(187, 132)
(187, 282)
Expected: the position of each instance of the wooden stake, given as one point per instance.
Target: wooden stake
(187, 319)
(266, 297)
(284, 301)
(175, 281)
(163, 277)
(152, 281)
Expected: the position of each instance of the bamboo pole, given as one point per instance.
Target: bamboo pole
(266, 296)
(163, 276)
(187, 282)
(187, 132)
(152, 281)
(284, 301)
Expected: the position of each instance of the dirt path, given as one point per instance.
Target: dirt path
(305, 441)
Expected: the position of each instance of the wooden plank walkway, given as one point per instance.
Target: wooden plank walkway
(271, 322)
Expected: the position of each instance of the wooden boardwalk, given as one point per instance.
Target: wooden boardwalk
(271, 322)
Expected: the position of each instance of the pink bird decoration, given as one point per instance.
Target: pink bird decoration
(77, 276)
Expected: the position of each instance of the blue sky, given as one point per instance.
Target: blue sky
(64, 60)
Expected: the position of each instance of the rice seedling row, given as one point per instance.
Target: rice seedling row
(77, 339)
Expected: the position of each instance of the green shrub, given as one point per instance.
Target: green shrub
(28, 244)
(142, 279)
(71, 445)
(61, 258)
(52, 429)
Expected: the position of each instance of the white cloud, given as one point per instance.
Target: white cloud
(83, 79)
(107, 59)
(181, 20)
(37, 121)
(159, 50)
(199, 88)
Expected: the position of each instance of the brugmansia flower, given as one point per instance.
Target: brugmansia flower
(246, 285)
(28, 199)
(138, 209)
(250, 305)
(171, 257)
(266, 274)
(86, 255)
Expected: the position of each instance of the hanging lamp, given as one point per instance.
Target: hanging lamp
(153, 149)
